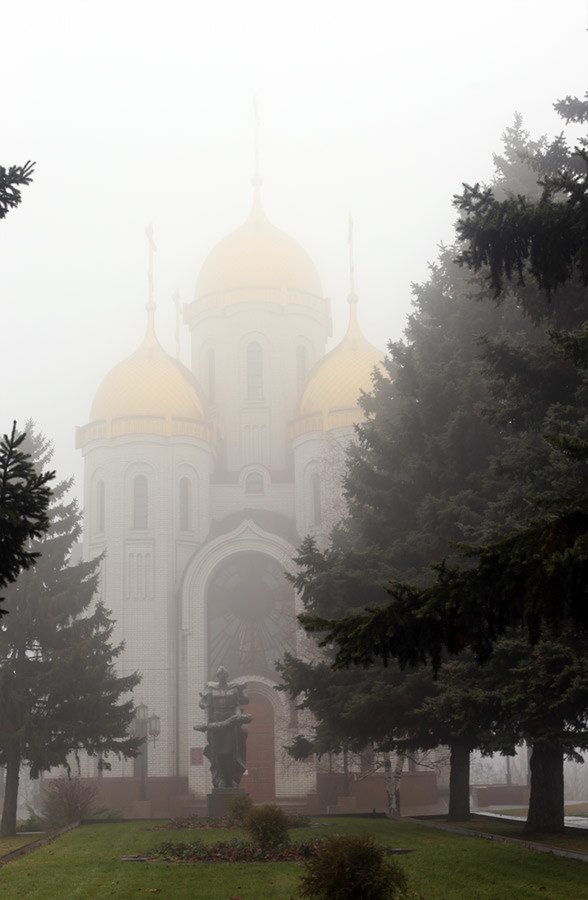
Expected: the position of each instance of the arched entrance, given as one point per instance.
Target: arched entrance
(251, 616)
(260, 780)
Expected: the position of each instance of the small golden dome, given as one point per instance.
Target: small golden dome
(331, 397)
(148, 393)
(258, 257)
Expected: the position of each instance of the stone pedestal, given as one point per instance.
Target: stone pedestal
(220, 799)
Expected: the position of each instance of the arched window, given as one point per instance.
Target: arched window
(254, 371)
(140, 502)
(185, 504)
(301, 368)
(254, 483)
(100, 507)
(315, 492)
(211, 376)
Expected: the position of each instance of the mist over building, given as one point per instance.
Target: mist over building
(199, 486)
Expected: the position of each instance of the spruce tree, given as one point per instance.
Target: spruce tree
(24, 498)
(530, 251)
(59, 691)
(11, 180)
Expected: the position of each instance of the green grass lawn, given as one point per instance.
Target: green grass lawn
(85, 863)
(14, 843)
(504, 828)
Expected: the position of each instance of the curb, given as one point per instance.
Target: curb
(22, 851)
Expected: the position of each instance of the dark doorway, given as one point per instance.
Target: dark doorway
(260, 780)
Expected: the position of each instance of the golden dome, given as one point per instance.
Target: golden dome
(258, 257)
(331, 397)
(147, 393)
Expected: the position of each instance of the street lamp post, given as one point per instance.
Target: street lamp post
(144, 727)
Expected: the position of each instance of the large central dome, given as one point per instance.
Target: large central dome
(258, 257)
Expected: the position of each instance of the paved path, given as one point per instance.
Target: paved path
(571, 821)
(501, 839)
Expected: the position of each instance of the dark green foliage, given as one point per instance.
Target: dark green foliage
(238, 808)
(518, 238)
(66, 800)
(24, 499)
(232, 851)
(298, 820)
(59, 691)
(352, 867)
(268, 826)
(10, 181)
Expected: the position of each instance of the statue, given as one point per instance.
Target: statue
(226, 729)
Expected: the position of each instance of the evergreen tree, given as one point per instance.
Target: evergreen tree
(530, 251)
(24, 498)
(59, 692)
(11, 180)
(419, 477)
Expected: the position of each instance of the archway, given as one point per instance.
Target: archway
(260, 780)
(251, 616)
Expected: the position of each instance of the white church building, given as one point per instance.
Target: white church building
(199, 486)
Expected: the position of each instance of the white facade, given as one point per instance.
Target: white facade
(200, 486)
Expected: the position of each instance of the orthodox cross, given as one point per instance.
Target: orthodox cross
(178, 306)
(351, 266)
(152, 248)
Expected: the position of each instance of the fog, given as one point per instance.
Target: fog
(142, 111)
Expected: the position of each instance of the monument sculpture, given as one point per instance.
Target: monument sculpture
(226, 729)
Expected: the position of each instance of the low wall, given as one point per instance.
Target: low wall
(164, 797)
(501, 794)
(368, 793)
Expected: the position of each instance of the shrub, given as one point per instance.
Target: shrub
(352, 867)
(67, 800)
(298, 820)
(238, 808)
(267, 825)
(104, 814)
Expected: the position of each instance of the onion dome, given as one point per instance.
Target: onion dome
(331, 397)
(258, 262)
(150, 392)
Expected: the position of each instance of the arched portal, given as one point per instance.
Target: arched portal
(260, 779)
(251, 616)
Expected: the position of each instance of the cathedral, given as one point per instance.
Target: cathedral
(199, 485)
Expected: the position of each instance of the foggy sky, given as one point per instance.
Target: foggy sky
(141, 110)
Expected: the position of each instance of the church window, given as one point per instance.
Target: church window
(254, 371)
(301, 368)
(140, 502)
(100, 507)
(211, 376)
(315, 490)
(185, 504)
(254, 483)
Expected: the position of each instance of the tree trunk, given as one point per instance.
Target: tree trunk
(8, 826)
(546, 803)
(393, 782)
(459, 783)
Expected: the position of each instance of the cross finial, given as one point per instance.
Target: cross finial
(352, 294)
(152, 248)
(256, 177)
(178, 306)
